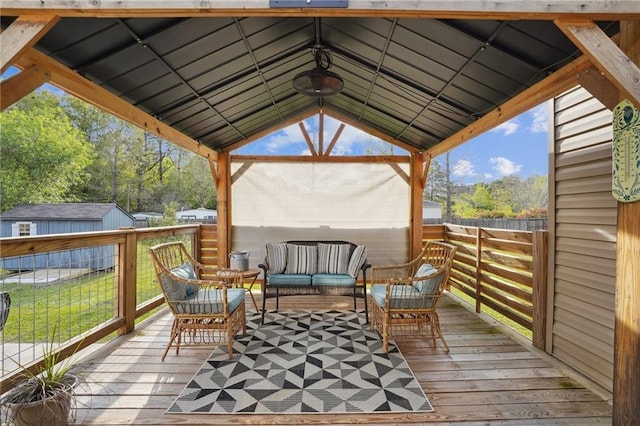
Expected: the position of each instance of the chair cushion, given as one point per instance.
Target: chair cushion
(402, 296)
(209, 301)
(186, 271)
(277, 257)
(302, 259)
(425, 286)
(333, 258)
(339, 280)
(358, 257)
(294, 280)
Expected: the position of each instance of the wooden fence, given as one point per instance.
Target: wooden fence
(502, 269)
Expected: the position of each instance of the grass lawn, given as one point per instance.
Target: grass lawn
(73, 306)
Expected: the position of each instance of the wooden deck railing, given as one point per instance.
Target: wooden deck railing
(501, 269)
(122, 292)
(504, 270)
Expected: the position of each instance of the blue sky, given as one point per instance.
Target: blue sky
(517, 147)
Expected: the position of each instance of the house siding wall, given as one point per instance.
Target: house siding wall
(584, 236)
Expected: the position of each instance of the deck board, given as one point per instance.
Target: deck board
(488, 377)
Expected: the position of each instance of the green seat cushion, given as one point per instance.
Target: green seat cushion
(333, 280)
(292, 280)
(209, 301)
(402, 296)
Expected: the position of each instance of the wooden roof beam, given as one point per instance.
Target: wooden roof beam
(21, 35)
(73, 83)
(20, 85)
(334, 140)
(307, 138)
(599, 86)
(606, 55)
(559, 81)
(439, 9)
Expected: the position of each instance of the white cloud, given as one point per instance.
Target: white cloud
(540, 119)
(504, 166)
(283, 138)
(352, 140)
(507, 128)
(463, 168)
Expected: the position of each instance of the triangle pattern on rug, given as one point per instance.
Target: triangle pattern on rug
(304, 362)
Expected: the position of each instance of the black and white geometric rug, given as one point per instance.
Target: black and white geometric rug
(304, 362)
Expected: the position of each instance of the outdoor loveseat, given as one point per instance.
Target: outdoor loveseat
(314, 267)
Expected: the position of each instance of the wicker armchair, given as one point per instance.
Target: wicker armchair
(403, 298)
(204, 311)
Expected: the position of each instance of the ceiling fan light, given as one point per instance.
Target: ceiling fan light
(318, 82)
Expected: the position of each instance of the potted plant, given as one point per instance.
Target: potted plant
(46, 396)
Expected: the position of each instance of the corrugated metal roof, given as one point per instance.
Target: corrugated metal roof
(222, 80)
(61, 211)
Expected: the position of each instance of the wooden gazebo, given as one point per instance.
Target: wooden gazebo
(425, 75)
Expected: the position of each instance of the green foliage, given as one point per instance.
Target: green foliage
(43, 156)
(198, 185)
(169, 215)
(508, 197)
(57, 148)
(481, 198)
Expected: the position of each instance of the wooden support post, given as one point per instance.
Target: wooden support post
(417, 191)
(626, 362)
(478, 269)
(540, 278)
(321, 133)
(126, 265)
(224, 208)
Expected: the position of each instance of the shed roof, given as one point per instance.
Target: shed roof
(60, 211)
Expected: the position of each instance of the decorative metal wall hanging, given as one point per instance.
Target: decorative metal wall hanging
(626, 152)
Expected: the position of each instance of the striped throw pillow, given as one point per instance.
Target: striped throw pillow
(277, 257)
(358, 257)
(302, 259)
(333, 258)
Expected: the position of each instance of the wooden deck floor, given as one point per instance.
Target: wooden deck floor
(486, 378)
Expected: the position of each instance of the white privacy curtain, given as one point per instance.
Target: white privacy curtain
(365, 203)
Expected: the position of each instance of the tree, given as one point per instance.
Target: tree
(481, 198)
(439, 186)
(198, 185)
(436, 185)
(44, 157)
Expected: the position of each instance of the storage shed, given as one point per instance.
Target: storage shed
(63, 218)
